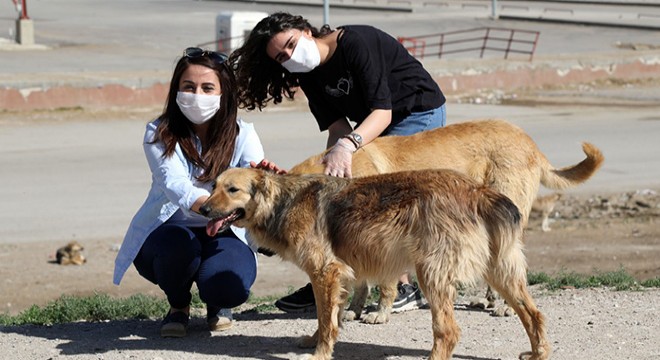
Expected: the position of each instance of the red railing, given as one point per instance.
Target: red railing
(481, 39)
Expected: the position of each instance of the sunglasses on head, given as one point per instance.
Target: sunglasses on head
(195, 52)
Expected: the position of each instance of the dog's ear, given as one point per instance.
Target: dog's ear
(256, 180)
(261, 181)
(264, 186)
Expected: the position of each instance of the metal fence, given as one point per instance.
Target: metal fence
(483, 40)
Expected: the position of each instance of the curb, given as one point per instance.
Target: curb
(455, 76)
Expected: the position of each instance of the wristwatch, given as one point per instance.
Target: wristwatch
(355, 138)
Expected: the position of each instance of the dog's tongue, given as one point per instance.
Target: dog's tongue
(213, 226)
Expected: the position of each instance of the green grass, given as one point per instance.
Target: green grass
(619, 280)
(96, 307)
(101, 307)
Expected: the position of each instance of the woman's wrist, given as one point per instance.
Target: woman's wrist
(355, 138)
(347, 144)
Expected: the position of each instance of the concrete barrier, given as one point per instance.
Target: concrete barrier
(455, 77)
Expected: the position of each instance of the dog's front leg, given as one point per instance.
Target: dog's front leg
(328, 290)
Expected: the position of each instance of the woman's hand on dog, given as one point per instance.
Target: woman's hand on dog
(268, 165)
(339, 159)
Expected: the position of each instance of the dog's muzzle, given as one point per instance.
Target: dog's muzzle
(221, 223)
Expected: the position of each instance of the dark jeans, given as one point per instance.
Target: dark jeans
(175, 256)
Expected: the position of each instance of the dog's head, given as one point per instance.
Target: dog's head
(232, 200)
(70, 254)
(74, 246)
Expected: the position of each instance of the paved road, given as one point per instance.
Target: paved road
(85, 179)
(141, 37)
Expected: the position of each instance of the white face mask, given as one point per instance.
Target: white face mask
(305, 56)
(198, 108)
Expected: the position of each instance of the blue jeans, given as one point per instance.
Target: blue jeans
(175, 256)
(418, 122)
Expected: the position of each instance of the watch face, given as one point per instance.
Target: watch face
(357, 138)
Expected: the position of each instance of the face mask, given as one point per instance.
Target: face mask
(198, 108)
(305, 56)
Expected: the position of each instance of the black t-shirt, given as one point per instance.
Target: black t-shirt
(368, 70)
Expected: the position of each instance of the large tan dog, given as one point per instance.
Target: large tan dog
(446, 226)
(492, 152)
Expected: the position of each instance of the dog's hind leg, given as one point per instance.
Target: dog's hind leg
(545, 222)
(508, 278)
(388, 292)
(440, 294)
(491, 296)
(360, 294)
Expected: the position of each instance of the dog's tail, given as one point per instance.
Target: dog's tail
(503, 221)
(559, 179)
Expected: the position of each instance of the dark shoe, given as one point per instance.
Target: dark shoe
(409, 298)
(218, 319)
(300, 301)
(174, 325)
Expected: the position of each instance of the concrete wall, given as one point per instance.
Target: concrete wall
(454, 76)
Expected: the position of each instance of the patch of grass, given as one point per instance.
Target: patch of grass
(651, 283)
(69, 108)
(619, 280)
(534, 278)
(101, 307)
(97, 307)
(263, 304)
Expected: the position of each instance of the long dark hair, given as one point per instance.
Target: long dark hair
(223, 129)
(260, 78)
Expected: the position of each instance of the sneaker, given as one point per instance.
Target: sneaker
(174, 325)
(218, 319)
(300, 301)
(409, 298)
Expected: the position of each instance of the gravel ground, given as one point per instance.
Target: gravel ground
(582, 324)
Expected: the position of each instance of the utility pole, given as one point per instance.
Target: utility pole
(24, 15)
(494, 9)
(326, 12)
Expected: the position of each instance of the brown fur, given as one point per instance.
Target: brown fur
(492, 152)
(70, 254)
(446, 226)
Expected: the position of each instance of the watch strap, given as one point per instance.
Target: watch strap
(354, 139)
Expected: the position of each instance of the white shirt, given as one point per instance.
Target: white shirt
(174, 189)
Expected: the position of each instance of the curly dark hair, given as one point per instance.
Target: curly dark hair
(221, 136)
(260, 78)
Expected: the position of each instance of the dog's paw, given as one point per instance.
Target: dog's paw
(307, 342)
(478, 303)
(376, 318)
(503, 311)
(349, 315)
(306, 357)
(528, 355)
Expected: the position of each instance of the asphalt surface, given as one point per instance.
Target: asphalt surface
(138, 41)
(82, 179)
